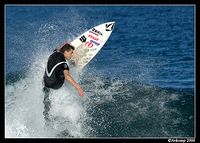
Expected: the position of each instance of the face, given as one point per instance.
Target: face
(68, 55)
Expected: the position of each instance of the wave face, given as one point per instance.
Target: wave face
(111, 107)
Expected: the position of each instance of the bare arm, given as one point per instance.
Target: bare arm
(72, 82)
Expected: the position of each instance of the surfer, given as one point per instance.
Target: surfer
(57, 70)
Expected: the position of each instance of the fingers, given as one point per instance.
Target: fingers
(68, 42)
(81, 92)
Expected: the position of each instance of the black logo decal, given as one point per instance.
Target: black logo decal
(82, 39)
(109, 27)
(96, 31)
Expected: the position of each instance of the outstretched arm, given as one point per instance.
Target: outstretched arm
(72, 82)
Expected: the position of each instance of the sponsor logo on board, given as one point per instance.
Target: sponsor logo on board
(97, 32)
(109, 27)
(93, 33)
(89, 44)
(97, 44)
(94, 38)
(83, 38)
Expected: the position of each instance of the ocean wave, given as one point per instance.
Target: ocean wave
(111, 107)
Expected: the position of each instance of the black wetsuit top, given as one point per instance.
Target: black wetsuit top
(54, 76)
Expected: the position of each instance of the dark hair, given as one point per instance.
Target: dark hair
(66, 47)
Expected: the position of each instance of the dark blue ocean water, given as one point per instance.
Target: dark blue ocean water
(141, 83)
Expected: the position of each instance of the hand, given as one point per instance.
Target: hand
(67, 42)
(80, 92)
(75, 57)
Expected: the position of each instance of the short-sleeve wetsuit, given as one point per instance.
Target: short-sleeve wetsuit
(54, 76)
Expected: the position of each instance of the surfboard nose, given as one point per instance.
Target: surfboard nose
(110, 26)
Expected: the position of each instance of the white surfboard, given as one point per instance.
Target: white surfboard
(89, 43)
